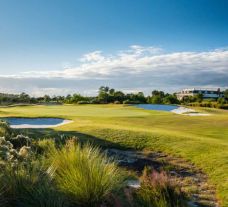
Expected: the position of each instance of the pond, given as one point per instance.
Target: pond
(157, 107)
(36, 122)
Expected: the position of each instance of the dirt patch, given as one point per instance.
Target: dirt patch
(191, 180)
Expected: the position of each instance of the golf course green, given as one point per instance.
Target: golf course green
(201, 140)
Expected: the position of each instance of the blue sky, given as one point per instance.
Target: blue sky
(69, 40)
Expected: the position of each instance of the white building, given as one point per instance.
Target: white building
(207, 93)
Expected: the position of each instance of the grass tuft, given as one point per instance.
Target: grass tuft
(158, 191)
(84, 174)
(28, 185)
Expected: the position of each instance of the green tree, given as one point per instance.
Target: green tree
(47, 98)
(226, 94)
(158, 93)
(103, 95)
(24, 98)
(199, 97)
(111, 91)
(157, 97)
(171, 99)
(119, 96)
(221, 100)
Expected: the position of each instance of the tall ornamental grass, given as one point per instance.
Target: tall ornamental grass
(158, 191)
(27, 185)
(84, 174)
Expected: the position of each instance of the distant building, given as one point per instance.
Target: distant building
(207, 93)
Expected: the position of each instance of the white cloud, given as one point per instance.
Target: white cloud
(140, 59)
(95, 56)
(141, 67)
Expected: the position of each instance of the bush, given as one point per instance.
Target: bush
(157, 191)
(84, 174)
(83, 102)
(5, 130)
(7, 152)
(225, 106)
(20, 141)
(130, 102)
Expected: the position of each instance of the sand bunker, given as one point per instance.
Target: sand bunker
(36, 123)
(188, 112)
(171, 108)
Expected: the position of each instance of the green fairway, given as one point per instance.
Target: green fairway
(202, 140)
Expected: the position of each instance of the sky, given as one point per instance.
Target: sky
(75, 46)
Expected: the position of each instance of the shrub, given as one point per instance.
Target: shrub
(83, 102)
(158, 191)
(9, 154)
(130, 102)
(5, 130)
(225, 106)
(20, 141)
(6, 150)
(84, 174)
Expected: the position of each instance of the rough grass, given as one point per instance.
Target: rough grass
(84, 174)
(158, 191)
(28, 186)
(73, 175)
(201, 140)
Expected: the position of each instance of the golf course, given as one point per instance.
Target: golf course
(200, 140)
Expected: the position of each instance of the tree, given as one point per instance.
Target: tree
(226, 94)
(157, 97)
(111, 91)
(47, 98)
(103, 95)
(119, 96)
(171, 99)
(104, 89)
(199, 97)
(158, 93)
(24, 98)
(221, 100)
(140, 97)
(76, 98)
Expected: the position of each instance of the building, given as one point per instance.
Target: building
(207, 93)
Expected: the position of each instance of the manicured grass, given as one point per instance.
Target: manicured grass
(201, 140)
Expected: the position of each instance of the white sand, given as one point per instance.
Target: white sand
(182, 110)
(31, 126)
(189, 112)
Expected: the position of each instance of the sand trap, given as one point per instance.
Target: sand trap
(36, 123)
(171, 108)
(189, 112)
(182, 110)
(197, 114)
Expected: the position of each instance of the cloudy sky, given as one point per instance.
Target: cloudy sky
(60, 47)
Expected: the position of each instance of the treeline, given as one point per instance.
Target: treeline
(23, 98)
(109, 95)
(105, 95)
